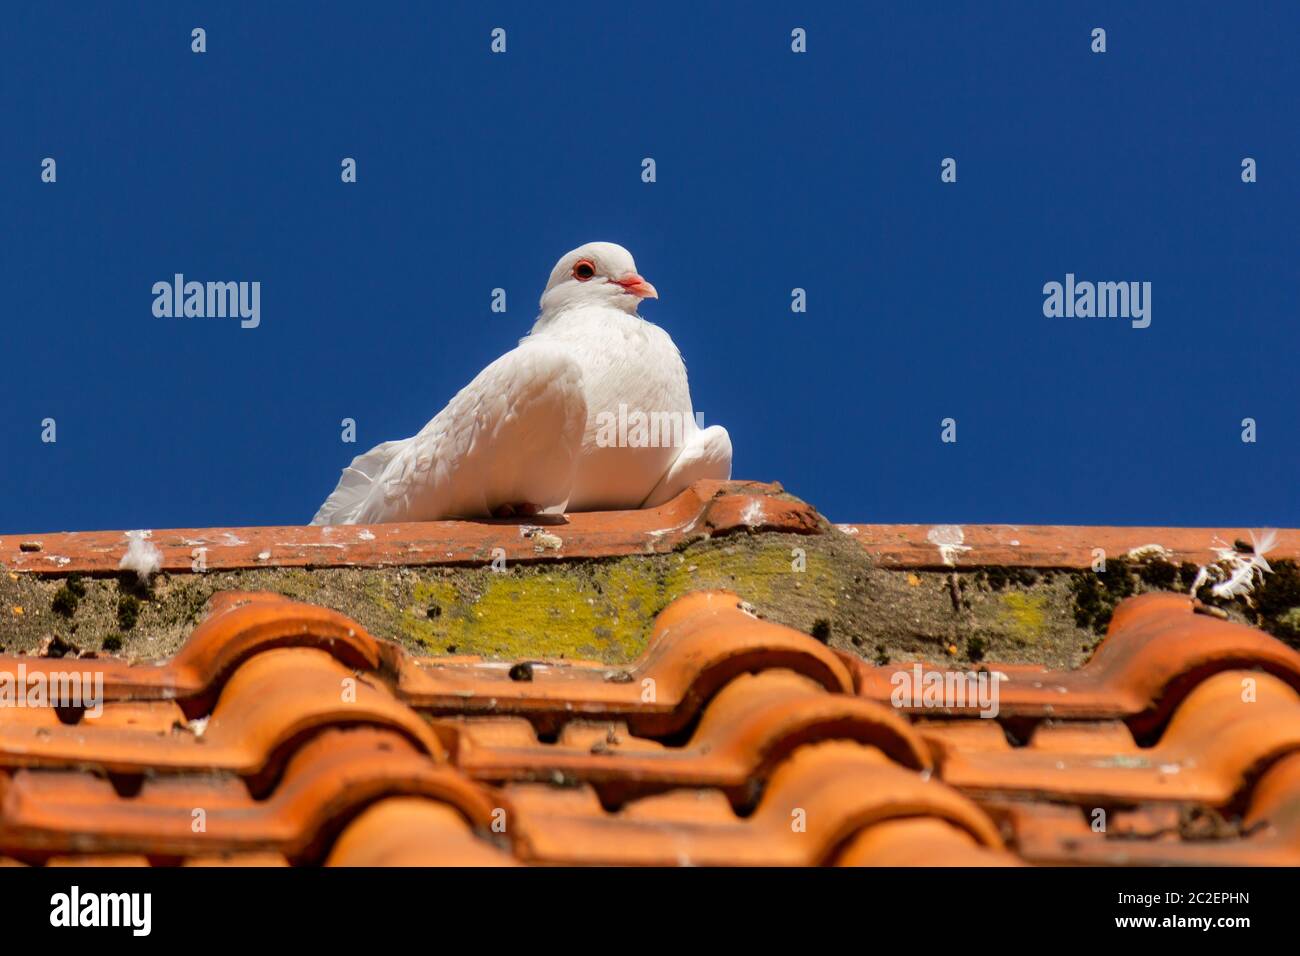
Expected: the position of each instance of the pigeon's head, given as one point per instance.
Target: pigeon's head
(599, 273)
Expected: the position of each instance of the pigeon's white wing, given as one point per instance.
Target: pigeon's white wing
(510, 437)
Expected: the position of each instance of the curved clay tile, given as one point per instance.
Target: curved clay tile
(1268, 834)
(820, 797)
(239, 625)
(1231, 725)
(272, 700)
(730, 741)
(753, 723)
(1156, 651)
(328, 780)
(408, 831)
(919, 841)
(699, 643)
(1275, 801)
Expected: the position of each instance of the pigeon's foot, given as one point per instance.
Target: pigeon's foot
(523, 509)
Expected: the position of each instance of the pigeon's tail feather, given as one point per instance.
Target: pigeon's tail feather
(354, 485)
(707, 454)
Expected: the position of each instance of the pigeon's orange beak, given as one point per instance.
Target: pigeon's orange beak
(638, 287)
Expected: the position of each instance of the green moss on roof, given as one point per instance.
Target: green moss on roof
(604, 608)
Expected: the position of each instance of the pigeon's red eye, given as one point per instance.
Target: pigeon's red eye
(584, 269)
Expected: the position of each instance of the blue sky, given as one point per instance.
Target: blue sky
(774, 170)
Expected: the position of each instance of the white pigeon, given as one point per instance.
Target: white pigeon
(590, 412)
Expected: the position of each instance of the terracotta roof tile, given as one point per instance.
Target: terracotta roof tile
(919, 841)
(912, 546)
(820, 796)
(1228, 726)
(328, 778)
(237, 626)
(274, 699)
(1156, 650)
(707, 508)
(408, 831)
(699, 642)
(297, 737)
(1267, 834)
(742, 734)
